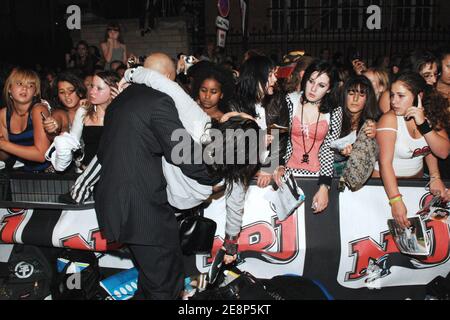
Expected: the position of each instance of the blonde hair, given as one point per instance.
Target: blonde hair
(21, 75)
(382, 76)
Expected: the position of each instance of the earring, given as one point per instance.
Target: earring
(95, 108)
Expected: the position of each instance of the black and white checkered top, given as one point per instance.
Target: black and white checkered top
(326, 154)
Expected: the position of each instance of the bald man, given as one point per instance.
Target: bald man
(159, 73)
(130, 196)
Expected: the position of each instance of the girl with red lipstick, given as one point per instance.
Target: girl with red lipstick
(316, 122)
(22, 135)
(411, 132)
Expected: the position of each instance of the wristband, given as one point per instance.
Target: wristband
(394, 200)
(424, 128)
(396, 196)
(231, 246)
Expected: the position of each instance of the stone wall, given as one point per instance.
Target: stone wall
(170, 36)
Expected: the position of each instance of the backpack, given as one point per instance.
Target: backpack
(361, 162)
(78, 276)
(26, 276)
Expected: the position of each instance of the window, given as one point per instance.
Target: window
(329, 14)
(297, 14)
(350, 14)
(277, 15)
(414, 13)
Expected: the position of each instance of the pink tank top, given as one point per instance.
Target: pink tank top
(299, 150)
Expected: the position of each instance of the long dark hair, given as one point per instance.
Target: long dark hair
(74, 80)
(371, 111)
(254, 75)
(236, 172)
(328, 102)
(434, 104)
(113, 25)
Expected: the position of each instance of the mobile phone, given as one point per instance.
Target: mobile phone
(43, 116)
(416, 102)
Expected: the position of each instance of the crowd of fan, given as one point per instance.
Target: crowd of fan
(402, 105)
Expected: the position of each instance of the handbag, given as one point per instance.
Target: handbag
(361, 162)
(196, 232)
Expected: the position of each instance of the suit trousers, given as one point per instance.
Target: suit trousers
(161, 272)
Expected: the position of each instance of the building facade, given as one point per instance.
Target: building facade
(278, 26)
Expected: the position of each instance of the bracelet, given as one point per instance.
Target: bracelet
(424, 128)
(231, 247)
(396, 196)
(394, 200)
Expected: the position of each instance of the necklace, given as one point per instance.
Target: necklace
(306, 154)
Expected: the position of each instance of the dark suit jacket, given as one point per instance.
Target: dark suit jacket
(130, 197)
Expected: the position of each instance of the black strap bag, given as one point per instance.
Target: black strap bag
(196, 232)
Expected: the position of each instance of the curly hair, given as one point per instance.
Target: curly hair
(223, 76)
(434, 104)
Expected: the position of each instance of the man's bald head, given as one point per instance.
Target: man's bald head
(162, 63)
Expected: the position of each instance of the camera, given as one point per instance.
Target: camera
(189, 59)
(134, 62)
(189, 62)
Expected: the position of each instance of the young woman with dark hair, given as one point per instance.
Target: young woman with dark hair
(360, 105)
(424, 63)
(213, 88)
(23, 137)
(316, 122)
(68, 93)
(113, 47)
(414, 129)
(256, 83)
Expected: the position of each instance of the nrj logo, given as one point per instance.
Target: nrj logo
(276, 242)
(367, 250)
